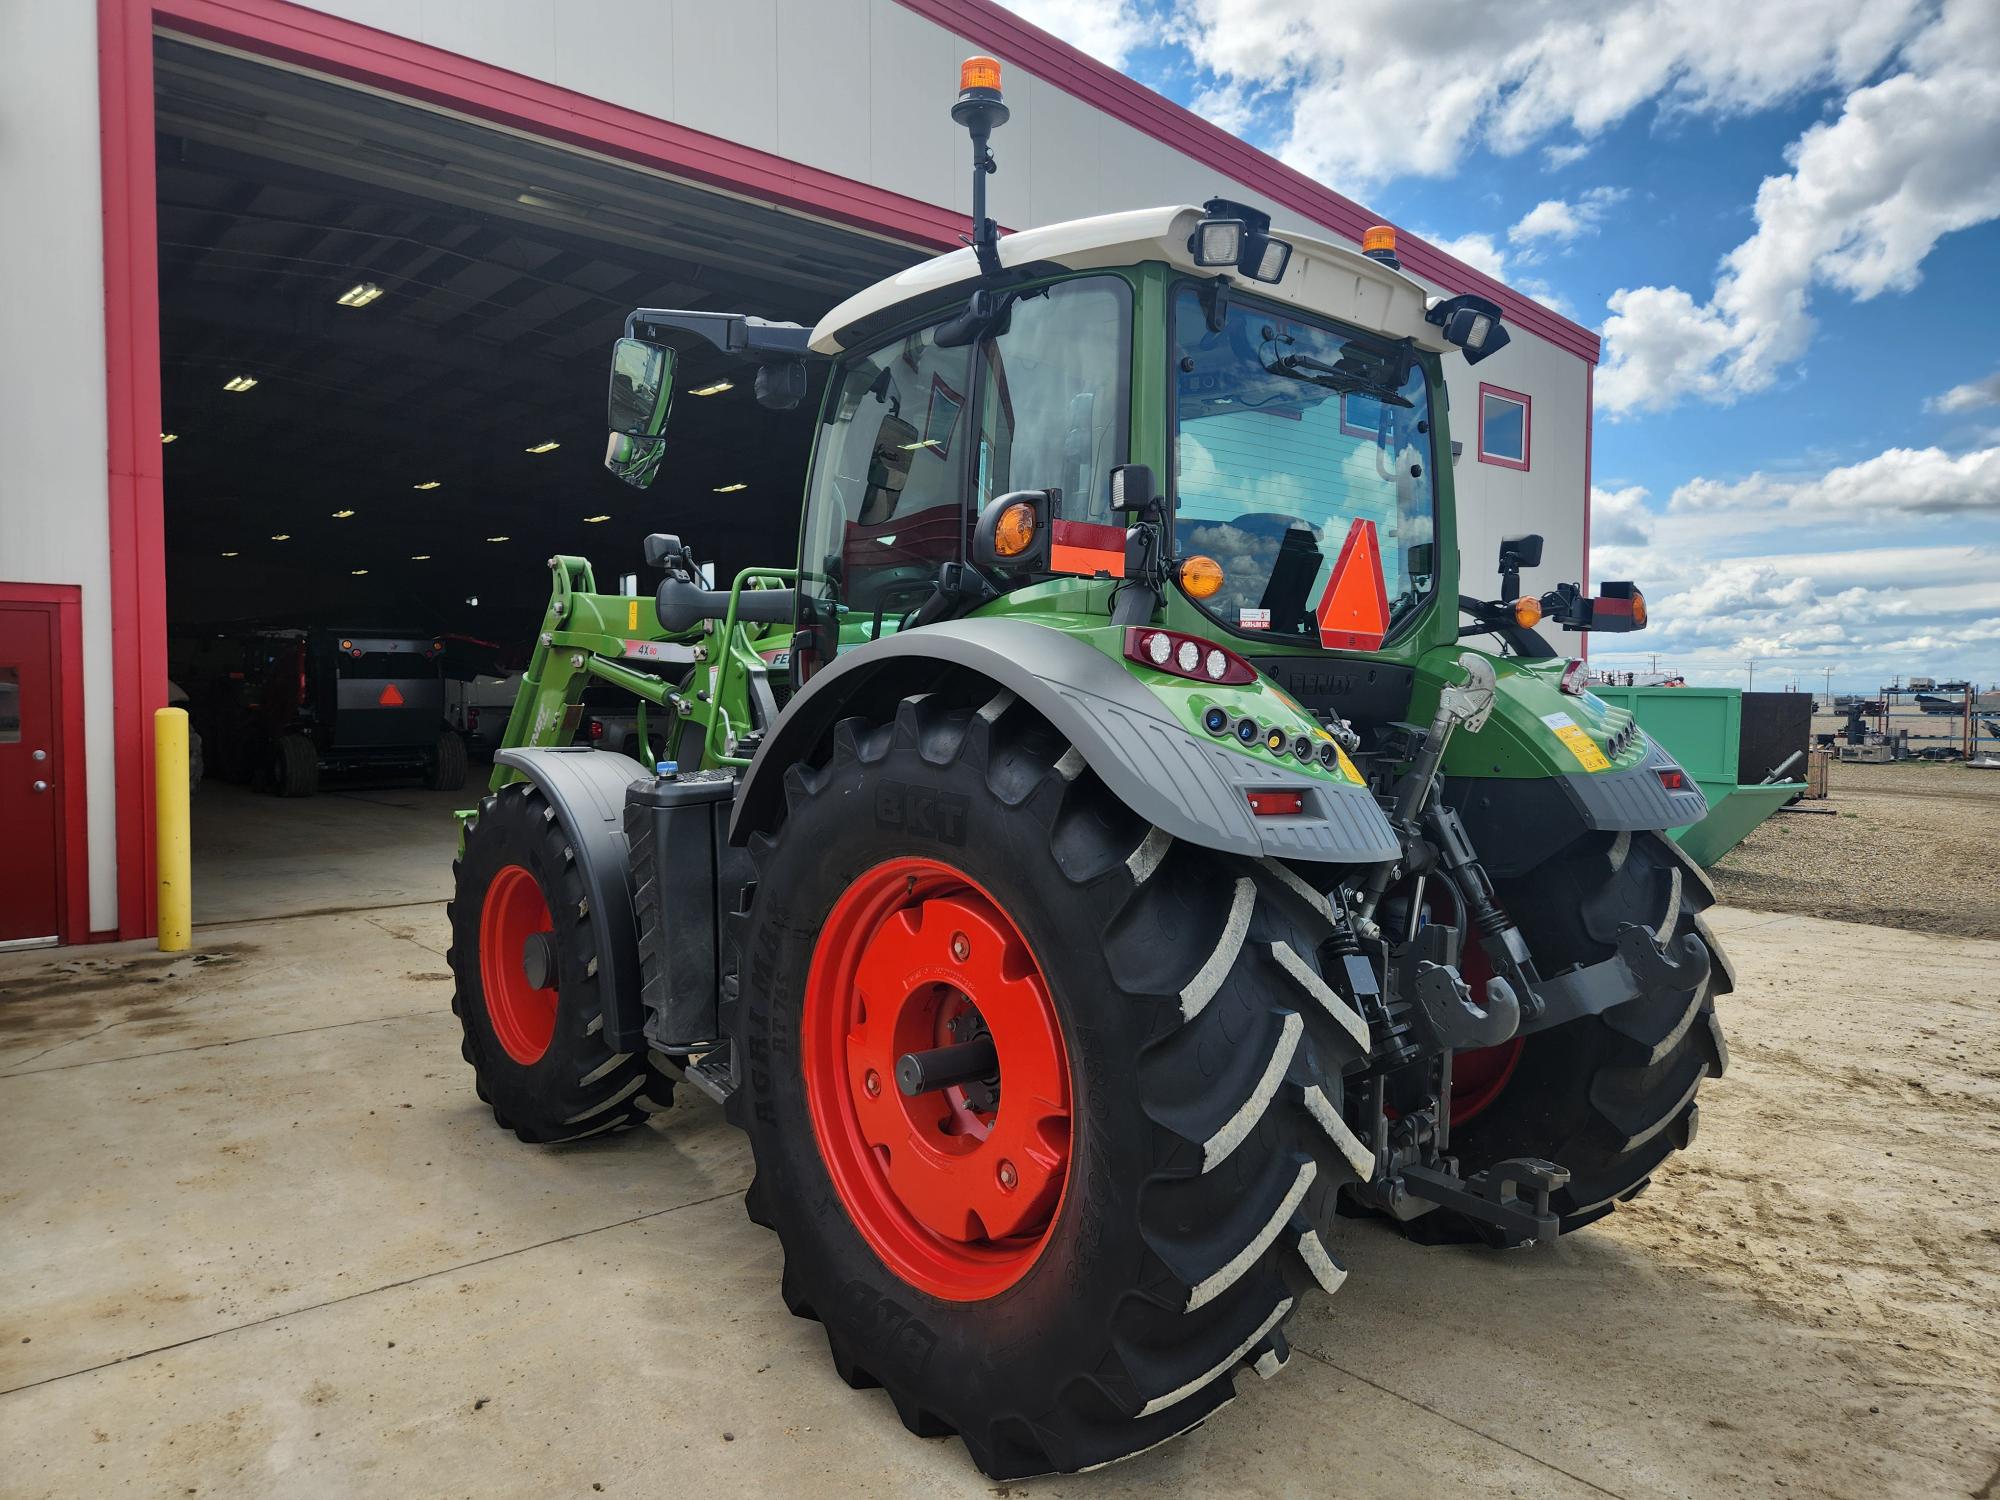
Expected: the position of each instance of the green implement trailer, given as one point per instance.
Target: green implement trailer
(1126, 852)
(1703, 728)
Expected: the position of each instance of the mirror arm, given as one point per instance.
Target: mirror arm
(732, 333)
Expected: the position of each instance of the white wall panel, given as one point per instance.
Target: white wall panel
(823, 76)
(726, 69)
(519, 35)
(54, 500)
(1065, 165)
(909, 153)
(619, 52)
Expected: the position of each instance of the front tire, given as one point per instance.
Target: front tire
(294, 766)
(446, 771)
(1168, 1090)
(533, 1022)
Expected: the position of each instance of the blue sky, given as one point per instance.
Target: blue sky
(1786, 227)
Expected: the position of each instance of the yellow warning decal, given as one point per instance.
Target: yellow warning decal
(632, 614)
(1347, 766)
(1581, 745)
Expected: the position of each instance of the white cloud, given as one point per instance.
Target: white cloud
(1107, 30)
(1970, 396)
(1555, 158)
(1383, 91)
(1730, 569)
(1619, 518)
(1561, 220)
(1898, 482)
(1477, 250)
(1907, 161)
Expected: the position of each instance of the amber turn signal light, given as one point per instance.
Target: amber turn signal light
(1201, 576)
(1527, 612)
(1015, 530)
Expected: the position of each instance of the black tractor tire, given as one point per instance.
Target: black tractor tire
(446, 769)
(1610, 1097)
(577, 1087)
(294, 763)
(1205, 1055)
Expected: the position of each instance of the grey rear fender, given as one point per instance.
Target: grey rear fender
(586, 787)
(1190, 787)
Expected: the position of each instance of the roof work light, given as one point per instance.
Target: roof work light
(1234, 234)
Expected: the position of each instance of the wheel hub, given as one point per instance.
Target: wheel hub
(517, 970)
(918, 975)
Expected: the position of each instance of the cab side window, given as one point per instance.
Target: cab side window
(1055, 407)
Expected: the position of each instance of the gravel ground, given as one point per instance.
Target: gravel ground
(1912, 845)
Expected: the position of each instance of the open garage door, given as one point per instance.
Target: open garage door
(384, 336)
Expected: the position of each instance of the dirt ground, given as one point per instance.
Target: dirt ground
(1913, 845)
(260, 1239)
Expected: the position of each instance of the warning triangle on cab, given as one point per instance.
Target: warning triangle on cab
(1354, 611)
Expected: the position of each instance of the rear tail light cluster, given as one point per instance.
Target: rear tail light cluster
(1674, 780)
(1186, 656)
(597, 729)
(1575, 678)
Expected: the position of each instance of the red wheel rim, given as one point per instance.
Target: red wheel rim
(1478, 1077)
(956, 1198)
(523, 1017)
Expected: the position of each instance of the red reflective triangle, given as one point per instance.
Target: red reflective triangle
(390, 697)
(1354, 611)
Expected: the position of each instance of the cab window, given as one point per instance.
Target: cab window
(1054, 406)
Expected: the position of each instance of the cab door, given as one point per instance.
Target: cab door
(29, 791)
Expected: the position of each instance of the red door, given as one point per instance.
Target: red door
(29, 792)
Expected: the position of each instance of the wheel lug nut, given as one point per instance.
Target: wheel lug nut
(872, 1083)
(961, 946)
(1007, 1175)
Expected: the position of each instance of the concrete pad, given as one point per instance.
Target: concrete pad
(216, 1229)
(352, 846)
(642, 1358)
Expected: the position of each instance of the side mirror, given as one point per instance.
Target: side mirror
(1517, 552)
(642, 388)
(1013, 532)
(781, 386)
(1421, 560)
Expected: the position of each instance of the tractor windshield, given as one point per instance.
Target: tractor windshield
(1287, 432)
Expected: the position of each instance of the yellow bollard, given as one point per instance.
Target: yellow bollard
(170, 847)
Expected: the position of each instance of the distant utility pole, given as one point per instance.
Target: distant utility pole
(1750, 666)
(1829, 685)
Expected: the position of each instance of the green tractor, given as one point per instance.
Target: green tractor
(1123, 867)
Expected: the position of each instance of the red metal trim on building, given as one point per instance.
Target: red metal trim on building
(1500, 460)
(1011, 39)
(73, 837)
(1589, 421)
(345, 49)
(138, 602)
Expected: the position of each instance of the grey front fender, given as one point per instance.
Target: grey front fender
(1192, 788)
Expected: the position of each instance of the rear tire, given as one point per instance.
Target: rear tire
(294, 766)
(1201, 1147)
(538, 1055)
(1610, 1097)
(446, 772)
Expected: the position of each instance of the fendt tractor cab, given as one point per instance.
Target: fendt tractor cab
(1124, 867)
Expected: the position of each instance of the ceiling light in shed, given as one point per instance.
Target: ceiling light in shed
(730, 489)
(342, 515)
(239, 383)
(713, 388)
(546, 447)
(593, 520)
(169, 437)
(428, 484)
(359, 295)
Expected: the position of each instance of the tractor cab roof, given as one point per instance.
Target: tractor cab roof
(1331, 280)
